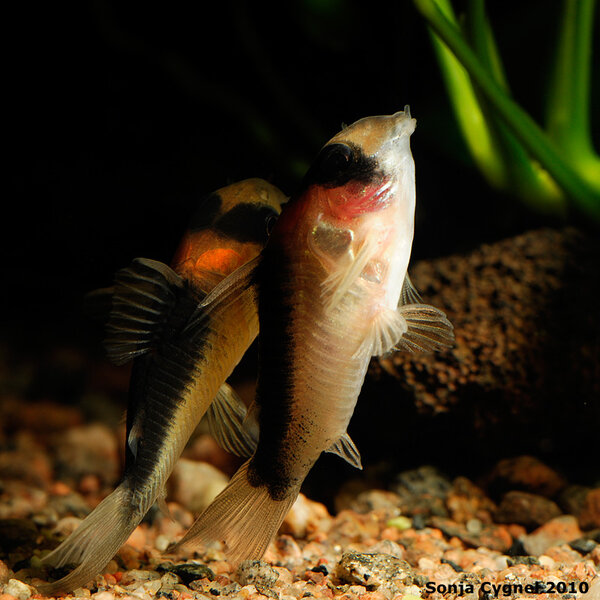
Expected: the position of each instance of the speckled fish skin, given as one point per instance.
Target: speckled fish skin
(178, 369)
(329, 282)
(311, 376)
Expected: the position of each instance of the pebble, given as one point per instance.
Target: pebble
(589, 515)
(376, 500)
(137, 539)
(161, 543)
(466, 501)
(525, 473)
(195, 485)
(306, 516)
(4, 572)
(559, 530)
(87, 449)
(188, 571)
(525, 508)
(401, 523)
(18, 589)
(422, 491)
(103, 596)
(256, 572)
(495, 537)
(372, 570)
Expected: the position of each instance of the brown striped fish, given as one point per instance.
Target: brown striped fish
(181, 360)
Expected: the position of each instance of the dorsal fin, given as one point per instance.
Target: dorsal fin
(144, 294)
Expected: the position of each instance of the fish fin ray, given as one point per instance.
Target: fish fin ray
(235, 287)
(144, 293)
(244, 517)
(251, 422)
(345, 448)
(409, 293)
(97, 304)
(341, 279)
(161, 501)
(93, 544)
(428, 329)
(225, 417)
(386, 331)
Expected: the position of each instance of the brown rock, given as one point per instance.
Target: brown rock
(523, 508)
(429, 543)
(376, 500)
(4, 572)
(475, 533)
(559, 530)
(422, 491)
(589, 516)
(506, 378)
(525, 473)
(466, 501)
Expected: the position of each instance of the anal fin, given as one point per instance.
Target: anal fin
(345, 448)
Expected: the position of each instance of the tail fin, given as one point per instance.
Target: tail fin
(246, 518)
(93, 544)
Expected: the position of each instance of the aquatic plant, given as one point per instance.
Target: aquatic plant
(553, 169)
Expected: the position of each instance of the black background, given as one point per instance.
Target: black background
(122, 115)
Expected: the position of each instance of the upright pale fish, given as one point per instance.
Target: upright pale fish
(333, 291)
(182, 359)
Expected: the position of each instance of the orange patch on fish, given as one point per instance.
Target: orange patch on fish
(219, 260)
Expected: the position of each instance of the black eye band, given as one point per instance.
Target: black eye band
(334, 160)
(339, 163)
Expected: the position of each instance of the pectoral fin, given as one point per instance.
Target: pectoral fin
(237, 287)
(409, 294)
(428, 329)
(346, 272)
(144, 294)
(387, 329)
(412, 327)
(346, 449)
(226, 416)
(98, 304)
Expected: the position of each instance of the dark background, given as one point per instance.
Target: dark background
(122, 115)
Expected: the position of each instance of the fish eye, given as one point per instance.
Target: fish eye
(270, 223)
(335, 159)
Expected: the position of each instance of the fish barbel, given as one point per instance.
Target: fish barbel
(333, 291)
(181, 361)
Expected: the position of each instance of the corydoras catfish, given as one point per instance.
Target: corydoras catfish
(180, 363)
(333, 291)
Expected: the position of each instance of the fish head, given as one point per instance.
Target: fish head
(229, 228)
(358, 201)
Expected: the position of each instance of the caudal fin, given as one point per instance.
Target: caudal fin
(244, 517)
(93, 544)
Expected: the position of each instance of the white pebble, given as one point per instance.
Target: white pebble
(18, 589)
(161, 543)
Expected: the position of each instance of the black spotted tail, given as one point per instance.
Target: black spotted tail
(93, 544)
